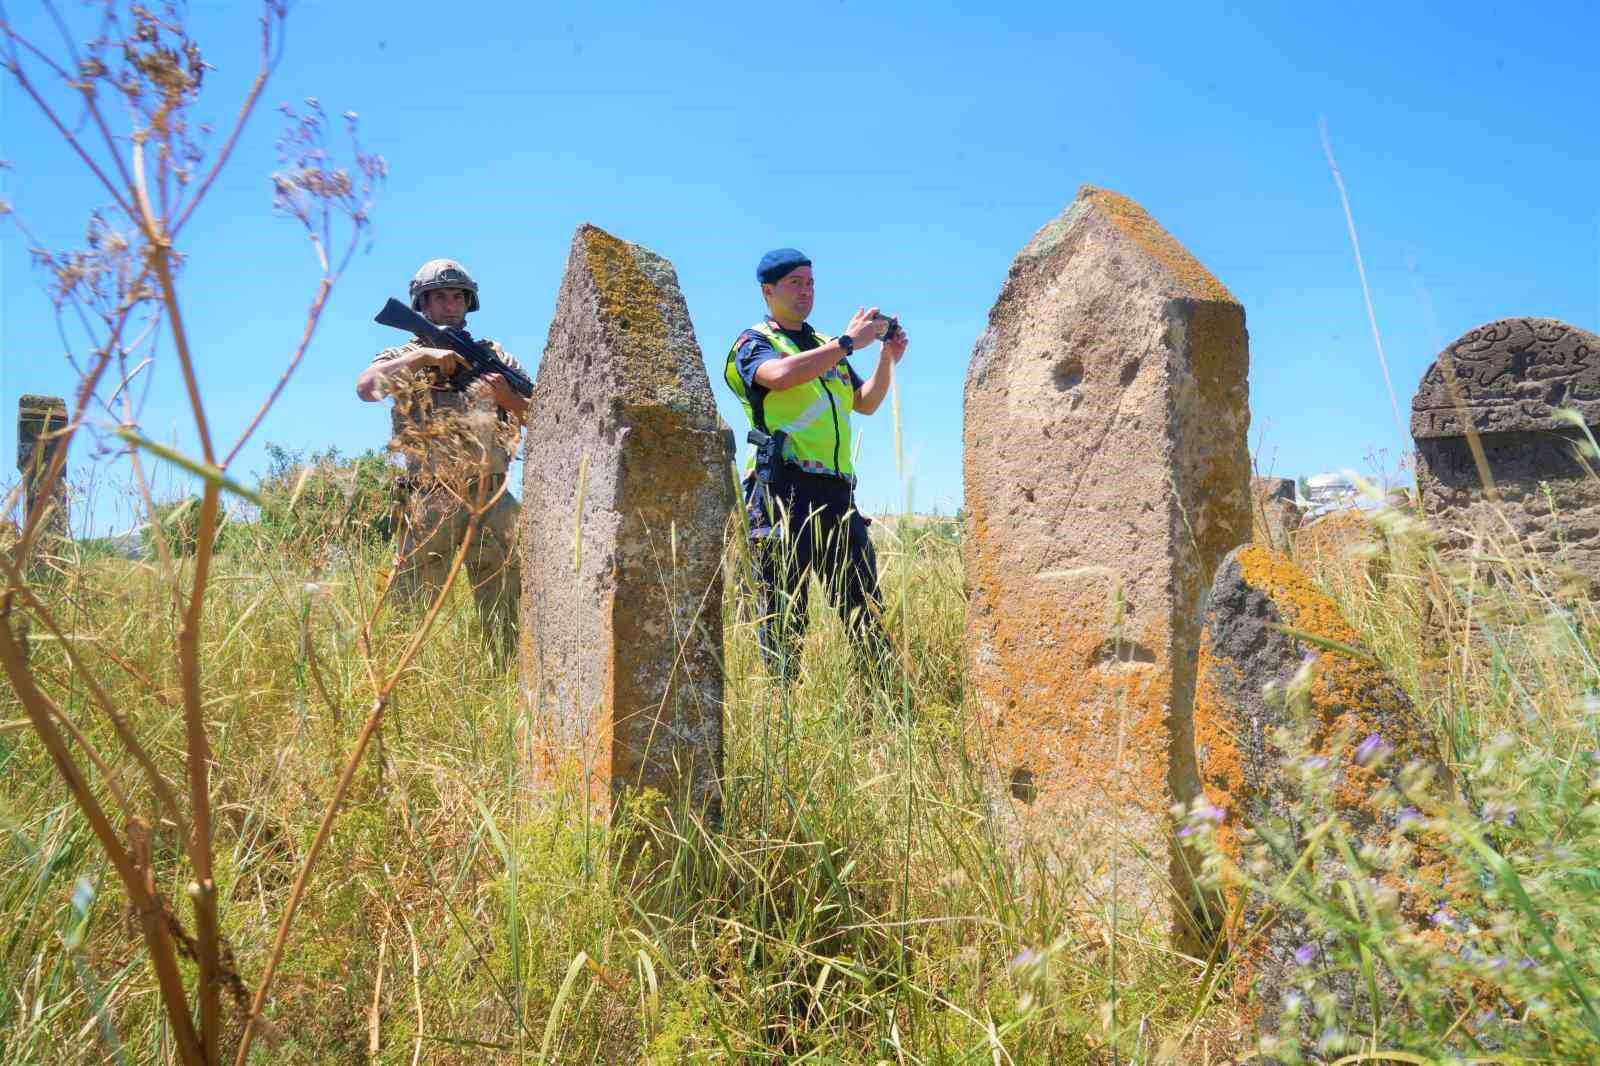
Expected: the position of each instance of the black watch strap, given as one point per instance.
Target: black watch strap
(845, 342)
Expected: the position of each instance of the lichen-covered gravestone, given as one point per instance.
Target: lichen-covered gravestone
(39, 421)
(1356, 732)
(1106, 475)
(1507, 381)
(626, 493)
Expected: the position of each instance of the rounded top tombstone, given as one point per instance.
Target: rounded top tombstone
(1510, 376)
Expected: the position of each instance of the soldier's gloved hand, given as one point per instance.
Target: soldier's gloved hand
(442, 359)
(863, 328)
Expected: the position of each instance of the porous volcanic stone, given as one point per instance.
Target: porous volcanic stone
(1106, 475)
(626, 493)
(1249, 698)
(1507, 380)
(39, 418)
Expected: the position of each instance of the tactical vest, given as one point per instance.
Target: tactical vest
(816, 415)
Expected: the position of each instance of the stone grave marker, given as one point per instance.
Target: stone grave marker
(39, 419)
(1106, 475)
(1356, 730)
(1508, 381)
(1275, 514)
(627, 489)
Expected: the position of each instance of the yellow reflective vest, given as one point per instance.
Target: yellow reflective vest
(816, 415)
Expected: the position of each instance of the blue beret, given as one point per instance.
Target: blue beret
(778, 262)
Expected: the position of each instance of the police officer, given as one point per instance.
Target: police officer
(457, 442)
(799, 390)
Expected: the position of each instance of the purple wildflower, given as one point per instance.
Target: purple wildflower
(1372, 751)
(1024, 958)
(1305, 954)
(1443, 919)
(1211, 813)
(1316, 762)
(1500, 813)
(1408, 817)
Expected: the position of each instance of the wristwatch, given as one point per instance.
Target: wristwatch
(847, 344)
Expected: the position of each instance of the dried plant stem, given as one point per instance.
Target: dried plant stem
(416, 990)
(375, 1014)
(137, 878)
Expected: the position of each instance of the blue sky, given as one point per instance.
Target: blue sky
(911, 151)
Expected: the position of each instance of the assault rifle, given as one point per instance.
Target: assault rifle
(479, 360)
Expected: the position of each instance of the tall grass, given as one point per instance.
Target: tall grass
(1464, 927)
(863, 898)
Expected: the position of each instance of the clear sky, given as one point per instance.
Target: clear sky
(911, 150)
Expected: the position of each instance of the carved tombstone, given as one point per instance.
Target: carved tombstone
(1508, 381)
(1106, 476)
(626, 492)
(40, 420)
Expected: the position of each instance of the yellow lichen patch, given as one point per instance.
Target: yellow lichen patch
(1299, 602)
(1351, 699)
(630, 296)
(1191, 275)
(1217, 749)
(1081, 706)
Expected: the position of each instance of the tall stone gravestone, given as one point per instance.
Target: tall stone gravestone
(626, 493)
(40, 420)
(1274, 511)
(1507, 381)
(1106, 476)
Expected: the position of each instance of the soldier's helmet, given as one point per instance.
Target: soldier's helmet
(443, 274)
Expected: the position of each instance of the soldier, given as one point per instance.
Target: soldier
(799, 391)
(457, 442)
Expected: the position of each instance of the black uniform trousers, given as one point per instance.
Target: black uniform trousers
(815, 529)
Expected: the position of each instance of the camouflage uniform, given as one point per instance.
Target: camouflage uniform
(457, 445)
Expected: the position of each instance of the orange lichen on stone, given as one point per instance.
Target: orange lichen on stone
(1277, 657)
(1153, 238)
(630, 297)
(1352, 696)
(1222, 757)
(1059, 696)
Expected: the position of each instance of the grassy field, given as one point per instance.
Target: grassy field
(863, 900)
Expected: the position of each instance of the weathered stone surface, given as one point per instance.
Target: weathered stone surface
(1512, 376)
(1249, 699)
(1106, 475)
(626, 493)
(1506, 380)
(39, 419)
(1274, 514)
